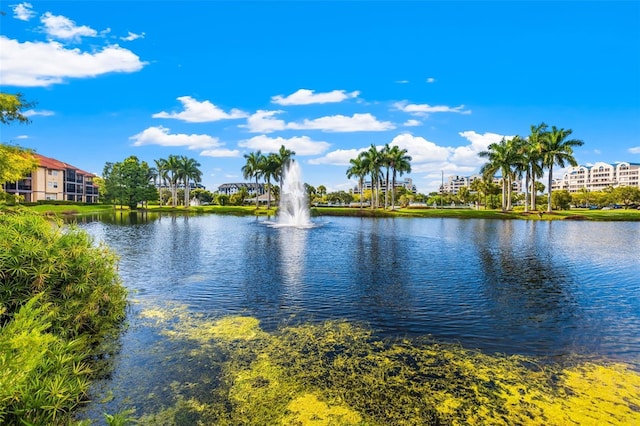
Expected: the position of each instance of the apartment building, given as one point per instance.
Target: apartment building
(234, 188)
(454, 183)
(55, 180)
(599, 176)
(405, 183)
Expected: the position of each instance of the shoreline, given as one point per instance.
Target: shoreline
(627, 215)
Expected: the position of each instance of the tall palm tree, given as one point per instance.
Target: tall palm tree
(501, 156)
(270, 166)
(534, 154)
(357, 169)
(557, 149)
(282, 159)
(173, 172)
(189, 171)
(385, 162)
(252, 169)
(400, 163)
(372, 161)
(161, 167)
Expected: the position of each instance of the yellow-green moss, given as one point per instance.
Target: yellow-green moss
(338, 373)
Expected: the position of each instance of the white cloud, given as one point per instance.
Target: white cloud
(634, 150)
(302, 145)
(307, 97)
(160, 136)
(38, 64)
(339, 157)
(63, 28)
(597, 151)
(340, 123)
(23, 12)
(411, 123)
(218, 153)
(402, 81)
(132, 36)
(468, 154)
(420, 149)
(424, 109)
(22, 137)
(200, 112)
(263, 122)
(431, 80)
(33, 113)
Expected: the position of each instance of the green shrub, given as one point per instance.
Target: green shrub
(60, 296)
(79, 280)
(42, 376)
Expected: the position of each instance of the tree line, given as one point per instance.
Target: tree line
(132, 181)
(378, 164)
(529, 157)
(267, 167)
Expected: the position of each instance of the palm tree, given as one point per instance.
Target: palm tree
(189, 171)
(162, 175)
(385, 161)
(400, 163)
(269, 168)
(372, 162)
(557, 149)
(282, 159)
(252, 169)
(357, 169)
(173, 170)
(533, 152)
(501, 156)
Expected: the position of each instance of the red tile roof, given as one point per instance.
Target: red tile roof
(53, 164)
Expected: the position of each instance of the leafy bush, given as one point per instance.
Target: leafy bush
(59, 297)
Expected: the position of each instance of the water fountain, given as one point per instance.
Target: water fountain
(294, 208)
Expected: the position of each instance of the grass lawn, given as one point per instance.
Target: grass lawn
(573, 214)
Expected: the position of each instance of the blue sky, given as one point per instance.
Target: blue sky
(215, 80)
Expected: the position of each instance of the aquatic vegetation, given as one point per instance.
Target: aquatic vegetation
(340, 373)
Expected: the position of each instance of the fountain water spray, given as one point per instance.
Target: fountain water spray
(294, 208)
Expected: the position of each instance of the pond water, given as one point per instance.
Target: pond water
(537, 288)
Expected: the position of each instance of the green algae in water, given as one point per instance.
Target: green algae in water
(338, 373)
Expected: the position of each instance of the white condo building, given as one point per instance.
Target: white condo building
(405, 183)
(599, 176)
(454, 183)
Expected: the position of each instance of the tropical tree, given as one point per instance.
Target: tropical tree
(161, 176)
(400, 163)
(357, 169)
(282, 159)
(557, 150)
(252, 169)
(532, 155)
(372, 161)
(189, 171)
(270, 168)
(173, 164)
(128, 182)
(502, 156)
(385, 162)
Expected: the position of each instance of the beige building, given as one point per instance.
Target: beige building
(599, 176)
(55, 180)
